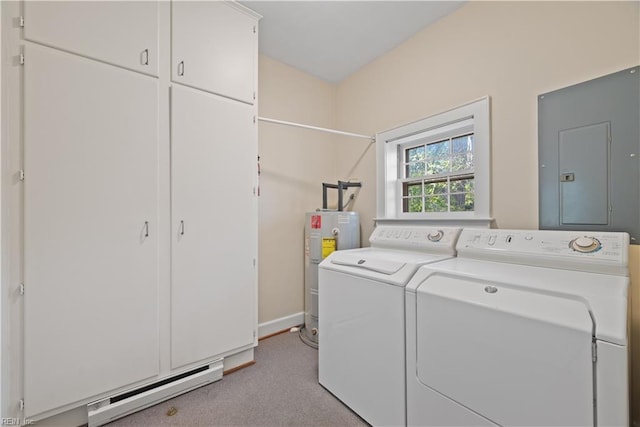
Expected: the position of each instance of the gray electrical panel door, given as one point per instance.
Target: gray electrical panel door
(584, 175)
(588, 148)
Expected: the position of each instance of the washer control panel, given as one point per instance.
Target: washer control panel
(556, 248)
(436, 235)
(423, 238)
(585, 244)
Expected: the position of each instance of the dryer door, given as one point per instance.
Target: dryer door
(514, 356)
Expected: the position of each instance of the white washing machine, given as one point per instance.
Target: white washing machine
(361, 317)
(523, 328)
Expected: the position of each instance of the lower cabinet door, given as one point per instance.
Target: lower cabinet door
(214, 232)
(90, 236)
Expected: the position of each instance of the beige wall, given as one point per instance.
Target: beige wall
(512, 51)
(294, 164)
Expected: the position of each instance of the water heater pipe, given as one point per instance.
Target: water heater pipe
(341, 186)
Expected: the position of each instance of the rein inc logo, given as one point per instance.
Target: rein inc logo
(15, 422)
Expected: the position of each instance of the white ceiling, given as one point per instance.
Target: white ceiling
(332, 39)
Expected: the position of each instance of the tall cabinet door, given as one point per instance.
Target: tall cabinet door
(214, 216)
(214, 47)
(123, 33)
(90, 254)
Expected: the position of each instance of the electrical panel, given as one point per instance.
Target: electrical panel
(589, 153)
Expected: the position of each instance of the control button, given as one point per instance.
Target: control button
(492, 240)
(435, 236)
(528, 237)
(406, 234)
(585, 244)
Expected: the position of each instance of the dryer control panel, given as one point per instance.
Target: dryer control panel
(601, 252)
(420, 238)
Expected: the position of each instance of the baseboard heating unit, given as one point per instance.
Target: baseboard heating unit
(111, 408)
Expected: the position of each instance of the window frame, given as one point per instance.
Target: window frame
(390, 145)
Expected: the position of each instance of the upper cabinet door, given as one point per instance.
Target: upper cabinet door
(122, 33)
(214, 48)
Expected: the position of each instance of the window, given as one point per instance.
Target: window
(436, 168)
(438, 176)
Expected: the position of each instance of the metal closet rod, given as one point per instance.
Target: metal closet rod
(299, 125)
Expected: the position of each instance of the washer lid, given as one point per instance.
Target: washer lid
(381, 266)
(391, 266)
(605, 296)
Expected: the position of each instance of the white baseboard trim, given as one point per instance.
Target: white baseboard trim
(112, 408)
(277, 325)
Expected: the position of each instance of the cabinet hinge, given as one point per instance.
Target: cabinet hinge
(21, 404)
(21, 58)
(21, 288)
(254, 98)
(254, 262)
(594, 352)
(21, 21)
(255, 30)
(21, 174)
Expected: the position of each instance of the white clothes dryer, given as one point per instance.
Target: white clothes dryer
(523, 328)
(361, 317)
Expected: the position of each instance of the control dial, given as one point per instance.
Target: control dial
(435, 236)
(585, 244)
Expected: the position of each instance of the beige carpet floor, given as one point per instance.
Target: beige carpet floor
(280, 389)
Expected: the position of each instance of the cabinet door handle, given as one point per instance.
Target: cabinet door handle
(182, 228)
(145, 57)
(146, 229)
(181, 68)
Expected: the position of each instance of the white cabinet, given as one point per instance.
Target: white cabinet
(214, 215)
(214, 48)
(91, 238)
(123, 33)
(125, 166)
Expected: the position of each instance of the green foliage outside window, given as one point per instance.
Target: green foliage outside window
(443, 172)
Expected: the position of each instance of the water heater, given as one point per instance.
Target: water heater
(324, 232)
